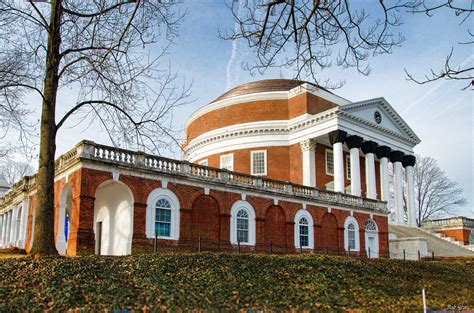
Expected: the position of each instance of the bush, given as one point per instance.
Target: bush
(230, 282)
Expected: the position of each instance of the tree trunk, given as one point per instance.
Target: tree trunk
(43, 243)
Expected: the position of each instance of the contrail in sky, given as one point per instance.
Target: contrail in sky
(233, 66)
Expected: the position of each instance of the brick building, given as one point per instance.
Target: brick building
(275, 165)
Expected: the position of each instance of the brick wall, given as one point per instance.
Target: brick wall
(207, 216)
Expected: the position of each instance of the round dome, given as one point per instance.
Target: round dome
(266, 85)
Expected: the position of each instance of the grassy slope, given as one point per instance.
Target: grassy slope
(230, 282)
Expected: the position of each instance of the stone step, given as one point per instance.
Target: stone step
(437, 243)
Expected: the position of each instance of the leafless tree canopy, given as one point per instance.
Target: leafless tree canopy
(435, 194)
(100, 50)
(463, 72)
(311, 35)
(104, 57)
(13, 170)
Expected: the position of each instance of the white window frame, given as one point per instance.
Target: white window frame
(298, 216)
(153, 197)
(252, 153)
(348, 167)
(203, 162)
(349, 220)
(326, 162)
(236, 207)
(231, 155)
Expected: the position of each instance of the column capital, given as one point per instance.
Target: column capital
(383, 152)
(396, 156)
(354, 141)
(408, 160)
(337, 136)
(308, 145)
(369, 147)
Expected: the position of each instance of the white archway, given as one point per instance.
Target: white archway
(113, 218)
(64, 217)
(371, 239)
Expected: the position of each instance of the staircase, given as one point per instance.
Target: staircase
(441, 245)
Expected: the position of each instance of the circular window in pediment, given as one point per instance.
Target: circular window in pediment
(378, 117)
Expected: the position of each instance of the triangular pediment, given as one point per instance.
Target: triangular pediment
(379, 113)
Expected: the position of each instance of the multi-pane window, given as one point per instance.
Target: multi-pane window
(163, 218)
(351, 236)
(227, 162)
(304, 232)
(370, 226)
(348, 167)
(243, 226)
(329, 162)
(259, 162)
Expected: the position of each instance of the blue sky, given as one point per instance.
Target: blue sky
(440, 113)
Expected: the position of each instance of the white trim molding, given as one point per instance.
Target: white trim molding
(298, 216)
(265, 162)
(153, 197)
(351, 220)
(236, 207)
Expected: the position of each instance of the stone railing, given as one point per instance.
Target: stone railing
(450, 222)
(90, 151)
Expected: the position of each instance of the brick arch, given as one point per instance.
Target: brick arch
(205, 219)
(328, 237)
(275, 225)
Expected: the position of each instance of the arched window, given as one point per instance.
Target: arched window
(351, 234)
(242, 223)
(162, 215)
(163, 218)
(370, 226)
(304, 230)
(243, 226)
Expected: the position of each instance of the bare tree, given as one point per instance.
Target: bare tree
(101, 49)
(13, 170)
(311, 35)
(463, 72)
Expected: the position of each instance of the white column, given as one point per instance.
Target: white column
(4, 229)
(384, 180)
(337, 138)
(370, 148)
(354, 143)
(338, 167)
(398, 188)
(411, 197)
(13, 227)
(355, 172)
(1, 230)
(309, 162)
(24, 221)
(9, 227)
(408, 162)
(370, 176)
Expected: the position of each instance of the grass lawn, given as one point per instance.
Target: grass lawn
(231, 282)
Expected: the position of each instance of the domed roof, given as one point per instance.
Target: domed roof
(266, 85)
